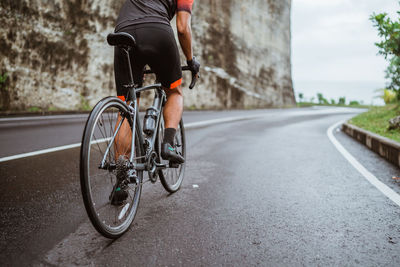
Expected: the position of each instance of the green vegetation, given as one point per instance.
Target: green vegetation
(389, 47)
(301, 97)
(376, 120)
(389, 96)
(52, 109)
(4, 92)
(322, 101)
(84, 105)
(34, 109)
(3, 78)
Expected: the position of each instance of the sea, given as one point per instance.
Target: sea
(365, 92)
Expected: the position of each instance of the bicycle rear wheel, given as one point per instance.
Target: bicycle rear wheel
(98, 164)
(171, 178)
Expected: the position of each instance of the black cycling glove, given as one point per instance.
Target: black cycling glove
(194, 65)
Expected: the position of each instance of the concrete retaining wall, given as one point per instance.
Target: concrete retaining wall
(55, 55)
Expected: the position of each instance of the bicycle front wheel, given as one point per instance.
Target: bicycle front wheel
(107, 122)
(171, 178)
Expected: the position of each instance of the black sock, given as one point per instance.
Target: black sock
(169, 135)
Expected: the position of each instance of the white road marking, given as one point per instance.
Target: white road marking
(195, 186)
(39, 152)
(187, 126)
(50, 117)
(387, 191)
(48, 150)
(222, 120)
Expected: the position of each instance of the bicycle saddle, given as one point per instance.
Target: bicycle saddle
(121, 39)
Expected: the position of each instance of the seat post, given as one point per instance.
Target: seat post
(131, 85)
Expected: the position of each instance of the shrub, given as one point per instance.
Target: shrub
(389, 96)
(354, 103)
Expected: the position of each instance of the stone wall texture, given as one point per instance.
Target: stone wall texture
(53, 53)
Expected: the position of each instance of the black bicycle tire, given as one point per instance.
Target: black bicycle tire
(173, 188)
(83, 170)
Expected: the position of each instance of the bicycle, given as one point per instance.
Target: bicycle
(98, 162)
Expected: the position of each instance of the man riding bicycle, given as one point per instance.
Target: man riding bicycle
(148, 21)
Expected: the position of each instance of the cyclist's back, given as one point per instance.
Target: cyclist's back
(150, 11)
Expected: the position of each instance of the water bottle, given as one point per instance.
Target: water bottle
(149, 123)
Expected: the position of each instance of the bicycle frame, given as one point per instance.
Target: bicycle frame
(158, 102)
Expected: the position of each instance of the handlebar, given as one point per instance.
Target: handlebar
(184, 68)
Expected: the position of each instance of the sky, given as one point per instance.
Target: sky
(333, 43)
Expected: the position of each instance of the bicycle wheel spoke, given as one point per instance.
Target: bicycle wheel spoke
(101, 123)
(110, 133)
(110, 123)
(111, 155)
(97, 143)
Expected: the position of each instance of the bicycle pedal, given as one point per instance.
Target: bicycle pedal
(174, 165)
(161, 166)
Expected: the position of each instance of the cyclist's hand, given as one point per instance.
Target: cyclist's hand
(194, 65)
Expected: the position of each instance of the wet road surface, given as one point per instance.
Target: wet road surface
(269, 191)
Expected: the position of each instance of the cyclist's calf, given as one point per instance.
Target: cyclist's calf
(123, 139)
(173, 107)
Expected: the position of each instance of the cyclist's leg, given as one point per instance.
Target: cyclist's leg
(173, 107)
(122, 144)
(172, 116)
(164, 59)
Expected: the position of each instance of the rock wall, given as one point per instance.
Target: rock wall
(54, 54)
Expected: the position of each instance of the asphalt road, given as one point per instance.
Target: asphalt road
(270, 191)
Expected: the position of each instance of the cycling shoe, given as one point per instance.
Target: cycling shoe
(119, 196)
(169, 152)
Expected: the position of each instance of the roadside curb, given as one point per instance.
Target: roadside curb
(388, 149)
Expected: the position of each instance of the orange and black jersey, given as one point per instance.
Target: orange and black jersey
(150, 11)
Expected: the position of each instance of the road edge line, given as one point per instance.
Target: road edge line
(383, 188)
(192, 125)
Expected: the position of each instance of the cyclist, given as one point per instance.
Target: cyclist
(148, 21)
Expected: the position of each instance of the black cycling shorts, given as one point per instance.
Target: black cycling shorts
(156, 47)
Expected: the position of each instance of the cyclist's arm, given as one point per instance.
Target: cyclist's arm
(184, 29)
